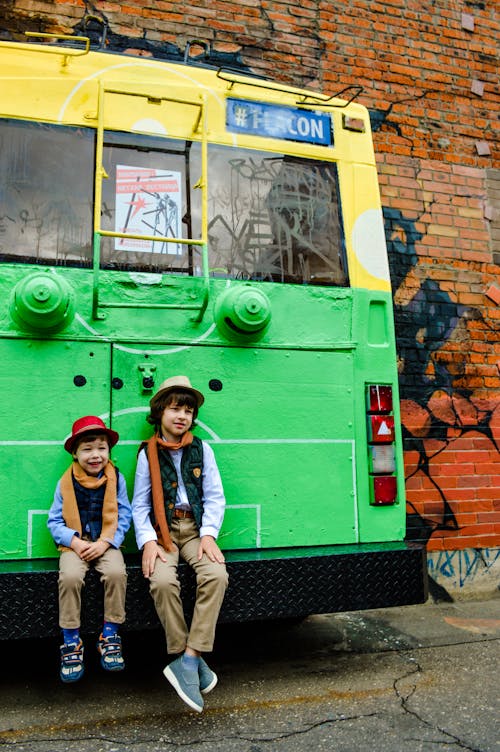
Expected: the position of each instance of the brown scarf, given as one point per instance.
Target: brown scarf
(156, 485)
(110, 504)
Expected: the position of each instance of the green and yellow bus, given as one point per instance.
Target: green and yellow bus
(162, 218)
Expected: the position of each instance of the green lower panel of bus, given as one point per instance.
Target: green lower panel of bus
(287, 421)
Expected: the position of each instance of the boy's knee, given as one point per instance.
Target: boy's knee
(164, 578)
(225, 579)
(70, 580)
(216, 576)
(115, 574)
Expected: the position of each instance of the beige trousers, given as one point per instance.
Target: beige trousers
(72, 571)
(211, 584)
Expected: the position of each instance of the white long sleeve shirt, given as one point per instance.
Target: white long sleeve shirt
(213, 496)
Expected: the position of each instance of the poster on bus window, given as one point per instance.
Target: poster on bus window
(148, 202)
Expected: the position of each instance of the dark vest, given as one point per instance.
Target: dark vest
(89, 502)
(192, 475)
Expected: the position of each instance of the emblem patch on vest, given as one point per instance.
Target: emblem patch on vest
(197, 472)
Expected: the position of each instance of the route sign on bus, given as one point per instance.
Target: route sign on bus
(276, 121)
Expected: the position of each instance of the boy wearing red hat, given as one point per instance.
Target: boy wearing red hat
(88, 520)
(178, 508)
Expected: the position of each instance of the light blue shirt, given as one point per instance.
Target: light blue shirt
(63, 535)
(213, 496)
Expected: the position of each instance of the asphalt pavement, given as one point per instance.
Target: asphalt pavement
(413, 678)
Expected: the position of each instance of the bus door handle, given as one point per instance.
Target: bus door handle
(147, 376)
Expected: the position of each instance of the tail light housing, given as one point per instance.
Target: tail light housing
(385, 490)
(379, 398)
(381, 445)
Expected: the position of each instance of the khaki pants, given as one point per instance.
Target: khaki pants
(211, 584)
(72, 571)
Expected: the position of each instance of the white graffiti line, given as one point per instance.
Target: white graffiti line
(283, 441)
(104, 417)
(129, 411)
(208, 430)
(90, 329)
(170, 350)
(215, 439)
(30, 443)
(49, 442)
(134, 64)
(29, 541)
(137, 351)
(149, 64)
(258, 517)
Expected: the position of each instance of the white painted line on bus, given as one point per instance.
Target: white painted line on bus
(136, 63)
(283, 441)
(170, 351)
(136, 351)
(257, 507)
(214, 440)
(29, 540)
(32, 443)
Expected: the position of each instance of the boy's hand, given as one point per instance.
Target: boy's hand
(88, 550)
(94, 550)
(211, 549)
(150, 552)
(79, 546)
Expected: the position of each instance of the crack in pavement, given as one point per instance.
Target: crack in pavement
(270, 737)
(404, 699)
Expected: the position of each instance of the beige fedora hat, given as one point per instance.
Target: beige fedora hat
(178, 382)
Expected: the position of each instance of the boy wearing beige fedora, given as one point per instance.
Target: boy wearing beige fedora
(178, 508)
(88, 520)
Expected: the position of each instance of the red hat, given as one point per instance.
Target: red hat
(87, 424)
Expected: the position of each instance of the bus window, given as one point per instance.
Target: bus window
(46, 193)
(270, 217)
(147, 191)
(274, 218)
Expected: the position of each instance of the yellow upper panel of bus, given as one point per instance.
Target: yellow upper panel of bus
(72, 86)
(153, 96)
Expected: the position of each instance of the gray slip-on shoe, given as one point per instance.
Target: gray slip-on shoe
(186, 683)
(208, 678)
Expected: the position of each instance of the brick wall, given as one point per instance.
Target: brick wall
(429, 72)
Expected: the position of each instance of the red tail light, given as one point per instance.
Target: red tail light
(380, 429)
(379, 399)
(380, 425)
(384, 489)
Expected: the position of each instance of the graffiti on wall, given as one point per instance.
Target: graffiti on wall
(462, 568)
(437, 415)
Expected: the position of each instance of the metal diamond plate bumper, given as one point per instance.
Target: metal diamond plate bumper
(262, 585)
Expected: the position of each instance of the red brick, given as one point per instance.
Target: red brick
(493, 292)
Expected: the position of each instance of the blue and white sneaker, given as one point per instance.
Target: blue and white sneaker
(110, 650)
(71, 662)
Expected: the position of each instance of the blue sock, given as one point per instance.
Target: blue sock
(71, 636)
(190, 662)
(109, 629)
